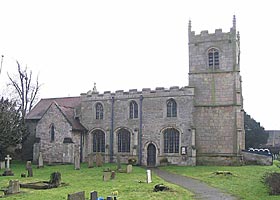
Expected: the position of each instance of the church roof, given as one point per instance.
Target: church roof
(66, 105)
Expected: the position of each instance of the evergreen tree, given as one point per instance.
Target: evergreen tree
(12, 128)
(255, 134)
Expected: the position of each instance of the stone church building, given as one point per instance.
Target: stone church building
(199, 124)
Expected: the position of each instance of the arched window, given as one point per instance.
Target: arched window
(99, 111)
(171, 140)
(213, 58)
(171, 108)
(52, 132)
(123, 136)
(98, 141)
(133, 110)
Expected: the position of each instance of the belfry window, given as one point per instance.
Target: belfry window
(99, 111)
(171, 140)
(133, 110)
(171, 108)
(123, 136)
(213, 58)
(52, 132)
(98, 141)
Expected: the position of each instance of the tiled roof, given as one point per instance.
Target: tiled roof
(67, 106)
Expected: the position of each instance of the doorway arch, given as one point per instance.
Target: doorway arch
(151, 155)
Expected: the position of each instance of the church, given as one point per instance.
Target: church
(198, 124)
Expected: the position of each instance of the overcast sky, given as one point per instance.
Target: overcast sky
(127, 44)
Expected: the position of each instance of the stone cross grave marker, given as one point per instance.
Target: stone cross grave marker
(8, 158)
(128, 169)
(29, 169)
(77, 196)
(93, 195)
(149, 176)
(40, 160)
(77, 162)
(90, 160)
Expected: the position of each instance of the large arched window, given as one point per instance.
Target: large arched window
(123, 136)
(213, 58)
(99, 111)
(52, 132)
(98, 141)
(171, 140)
(133, 110)
(171, 108)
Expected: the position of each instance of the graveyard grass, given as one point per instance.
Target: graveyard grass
(245, 183)
(129, 186)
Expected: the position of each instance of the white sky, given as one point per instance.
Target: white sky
(128, 44)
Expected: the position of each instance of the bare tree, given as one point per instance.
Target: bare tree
(26, 90)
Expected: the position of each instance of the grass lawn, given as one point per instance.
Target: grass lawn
(245, 182)
(89, 179)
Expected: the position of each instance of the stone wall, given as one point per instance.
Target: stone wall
(251, 158)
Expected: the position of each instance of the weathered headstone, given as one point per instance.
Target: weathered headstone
(2, 164)
(99, 160)
(118, 162)
(29, 169)
(90, 160)
(106, 175)
(76, 196)
(128, 169)
(13, 187)
(77, 162)
(40, 160)
(113, 175)
(93, 195)
(149, 176)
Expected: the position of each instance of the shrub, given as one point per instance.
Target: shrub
(132, 161)
(272, 180)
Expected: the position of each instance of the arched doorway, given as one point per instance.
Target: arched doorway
(151, 155)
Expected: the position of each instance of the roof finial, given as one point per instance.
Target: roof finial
(234, 21)
(94, 88)
(190, 25)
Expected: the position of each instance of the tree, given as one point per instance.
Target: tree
(255, 134)
(26, 90)
(12, 128)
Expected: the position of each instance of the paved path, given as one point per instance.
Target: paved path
(201, 190)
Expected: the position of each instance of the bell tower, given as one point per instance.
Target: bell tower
(214, 72)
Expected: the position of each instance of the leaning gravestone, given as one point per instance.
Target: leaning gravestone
(128, 169)
(93, 195)
(99, 160)
(90, 160)
(29, 169)
(77, 196)
(40, 160)
(77, 162)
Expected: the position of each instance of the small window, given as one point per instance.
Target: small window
(171, 108)
(171, 140)
(99, 111)
(133, 110)
(123, 136)
(213, 58)
(52, 132)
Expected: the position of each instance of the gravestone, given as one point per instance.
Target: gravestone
(77, 162)
(118, 162)
(13, 187)
(76, 196)
(93, 195)
(8, 171)
(128, 169)
(113, 175)
(40, 160)
(99, 160)
(2, 164)
(90, 160)
(106, 175)
(149, 176)
(29, 169)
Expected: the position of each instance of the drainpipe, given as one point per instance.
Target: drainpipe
(140, 131)
(112, 132)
